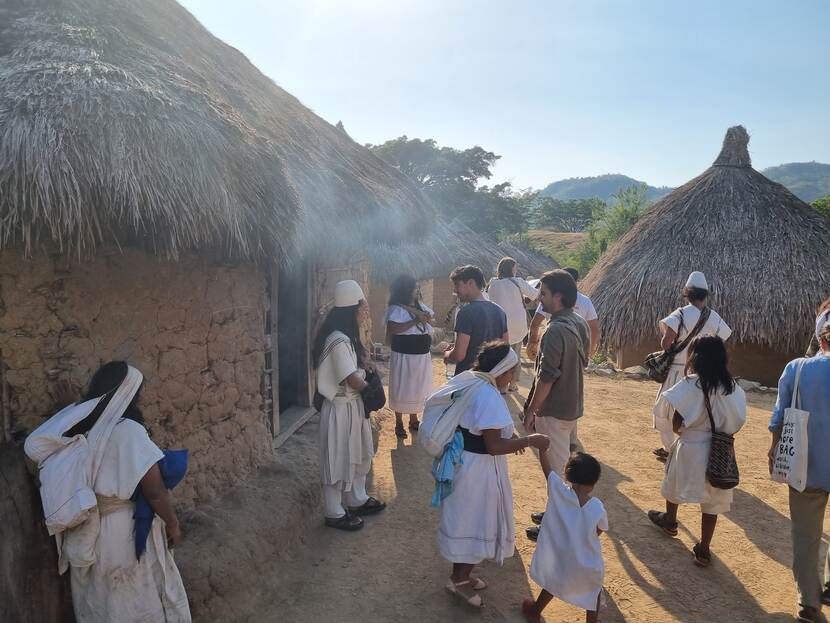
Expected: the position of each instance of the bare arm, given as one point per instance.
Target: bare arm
(593, 325)
(544, 460)
(668, 338)
(533, 339)
(396, 328)
(459, 350)
(676, 422)
(356, 381)
(157, 495)
(496, 445)
(540, 394)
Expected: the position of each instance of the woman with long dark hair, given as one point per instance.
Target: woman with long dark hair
(346, 448)
(708, 387)
(409, 324)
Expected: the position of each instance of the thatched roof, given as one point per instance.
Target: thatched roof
(447, 246)
(763, 250)
(124, 121)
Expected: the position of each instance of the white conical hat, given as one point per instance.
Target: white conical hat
(697, 280)
(347, 293)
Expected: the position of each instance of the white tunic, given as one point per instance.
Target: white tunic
(584, 308)
(410, 376)
(568, 558)
(117, 587)
(477, 518)
(346, 447)
(715, 325)
(685, 479)
(508, 293)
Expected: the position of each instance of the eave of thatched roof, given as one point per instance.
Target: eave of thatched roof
(128, 122)
(450, 245)
(763, 251)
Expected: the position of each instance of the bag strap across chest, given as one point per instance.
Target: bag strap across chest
(680, 346)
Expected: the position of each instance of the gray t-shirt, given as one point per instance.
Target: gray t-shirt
(482, 321)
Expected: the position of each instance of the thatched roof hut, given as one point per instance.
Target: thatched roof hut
(763, 251)
(124, 122)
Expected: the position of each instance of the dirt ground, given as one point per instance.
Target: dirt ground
(391, 570)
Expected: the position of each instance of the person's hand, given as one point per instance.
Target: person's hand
(532, 350)
(174, 534)
(448, 351)
(771, 458)
(530, 421)
(369, 367)
(520, 450)
(538, 441)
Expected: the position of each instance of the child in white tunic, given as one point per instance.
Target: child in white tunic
(476, 520)
(685, 479)
(568, 561)
(409, 326)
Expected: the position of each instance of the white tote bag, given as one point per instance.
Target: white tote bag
(790, 463)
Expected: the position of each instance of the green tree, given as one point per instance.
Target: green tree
(571, 215)
(823, 205)
(450, 177)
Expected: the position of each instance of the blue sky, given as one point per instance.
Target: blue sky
(558, 89)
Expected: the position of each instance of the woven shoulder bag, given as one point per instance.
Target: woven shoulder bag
(722, 469)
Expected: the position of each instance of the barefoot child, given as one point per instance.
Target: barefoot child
(568, 560)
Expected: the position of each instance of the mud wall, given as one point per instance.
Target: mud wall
(195, 328)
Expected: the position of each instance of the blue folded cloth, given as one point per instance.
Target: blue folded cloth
(173, 468)
(443, 468)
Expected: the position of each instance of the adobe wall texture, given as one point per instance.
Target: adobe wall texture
(195, 328)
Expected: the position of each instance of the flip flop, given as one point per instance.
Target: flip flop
(659, 520)
(462, 590)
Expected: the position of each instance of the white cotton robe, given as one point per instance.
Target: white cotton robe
(685, 480)
(476, 520)
(116, 587)
(568, 560)
(346, 447)
(715, 325)
(410, 376)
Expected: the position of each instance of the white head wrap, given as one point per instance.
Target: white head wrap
(697, 280)
(508, 363)
(347, 293)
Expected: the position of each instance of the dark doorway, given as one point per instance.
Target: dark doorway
(293, 336)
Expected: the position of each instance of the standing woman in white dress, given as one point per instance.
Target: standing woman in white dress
(675, 327)
(476, 521)
(346, 447)
(708, 381)
(409, 323)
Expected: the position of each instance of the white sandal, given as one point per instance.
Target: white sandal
(471, 599)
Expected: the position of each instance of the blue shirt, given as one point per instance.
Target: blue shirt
(482, 321)
(814, 396)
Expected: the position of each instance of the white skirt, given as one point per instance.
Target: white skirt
(410, 382)
(685, 480)
(346, 447)
(118, 588)
(477, 518)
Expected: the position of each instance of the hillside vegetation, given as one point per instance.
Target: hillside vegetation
(602, 186)
(806, 180)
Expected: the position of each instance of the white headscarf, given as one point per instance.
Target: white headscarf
(508, 363)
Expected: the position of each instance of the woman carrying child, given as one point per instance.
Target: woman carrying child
(708, 388)
(477, 518)
(568, 562)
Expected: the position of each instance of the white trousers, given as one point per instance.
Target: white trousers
(559, 432)
(517, 371)
(333, 497)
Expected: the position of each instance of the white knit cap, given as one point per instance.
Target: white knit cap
(697, 280)
(347, 293)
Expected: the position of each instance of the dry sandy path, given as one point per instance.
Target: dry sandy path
(391, 570)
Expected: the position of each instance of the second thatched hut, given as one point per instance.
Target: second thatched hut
(763, 250)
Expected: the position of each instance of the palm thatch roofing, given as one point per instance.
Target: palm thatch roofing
(124, 121)
(762, 249)
(449, 245)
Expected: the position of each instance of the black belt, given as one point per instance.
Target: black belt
(411, 344)
(473, 443)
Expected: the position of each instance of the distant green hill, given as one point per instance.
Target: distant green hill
(806, 180)
(602, 186)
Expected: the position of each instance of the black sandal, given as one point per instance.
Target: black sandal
(659, 520)
(414, 426)
(369, 507)
(348, 522)
(701, 559)
(400, 431)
